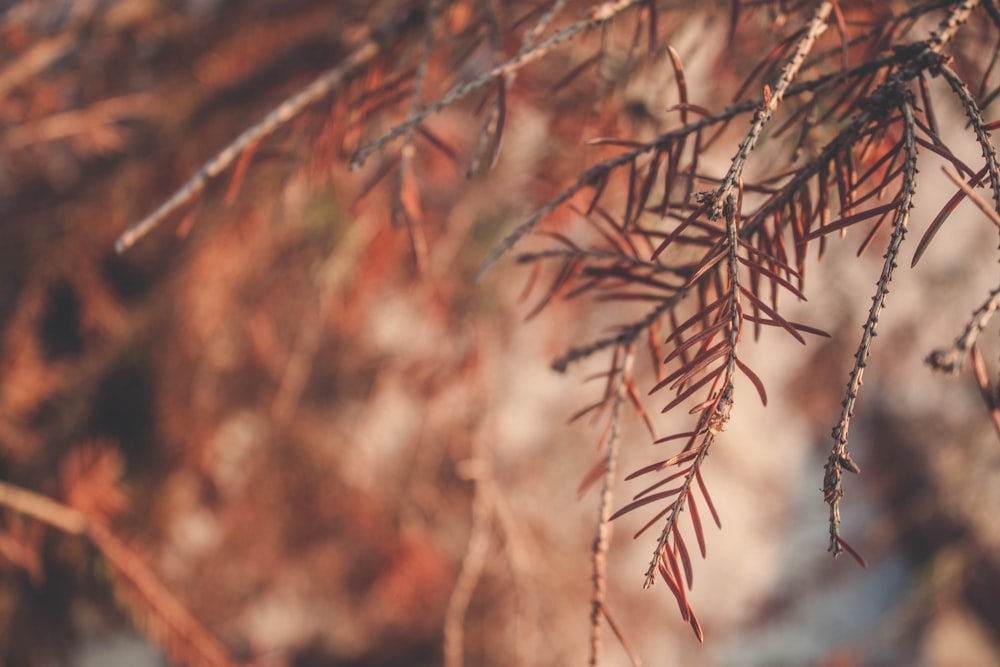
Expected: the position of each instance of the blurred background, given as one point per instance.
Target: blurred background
(332, 446)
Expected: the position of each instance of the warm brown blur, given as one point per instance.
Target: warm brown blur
(293, 408)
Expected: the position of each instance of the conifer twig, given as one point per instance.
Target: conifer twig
(815, 28)
(596, 17)
(950, 360)
(840, 459)
(602, 540)
(593, 176)
(975, 115)
(322, 86)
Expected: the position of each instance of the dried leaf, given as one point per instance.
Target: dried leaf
(677, 589)
(644, 501)
(754, 379)
(683, 396)
(849, 220)
(942, 215)
(855, 554)
(684, 556)
(696, 524)
(596, 473)
(708, 498)
(782, 322)
(990, 394)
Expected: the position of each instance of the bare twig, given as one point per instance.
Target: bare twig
(840, 459)
(603, 538)
(473, 562)
(950, 360)
(43, 508)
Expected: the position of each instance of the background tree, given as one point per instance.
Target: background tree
(280, 421)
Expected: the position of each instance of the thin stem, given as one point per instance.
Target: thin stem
(950, 360)
(473, 563)
(626, 335)
(181, 633)
(43, 508)
(596, 173)
(603, 538)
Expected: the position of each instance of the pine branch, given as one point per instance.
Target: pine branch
(840, 459)
(815, 28)
(377, 43)
(596, 176)
(597, 17)
(979, 126)
(161, 615)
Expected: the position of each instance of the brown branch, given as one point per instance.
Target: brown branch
(322, 86)
(177, 631)
(840, 459)
(771, 100)
(975, 115)
(597, 174)
(43, 508)
(915, 58)
(473, 562)
(596, 18)
(602, 539)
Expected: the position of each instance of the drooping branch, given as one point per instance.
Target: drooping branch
(975, 115)
(840, 459)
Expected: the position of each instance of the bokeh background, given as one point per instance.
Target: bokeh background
(332, 456)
